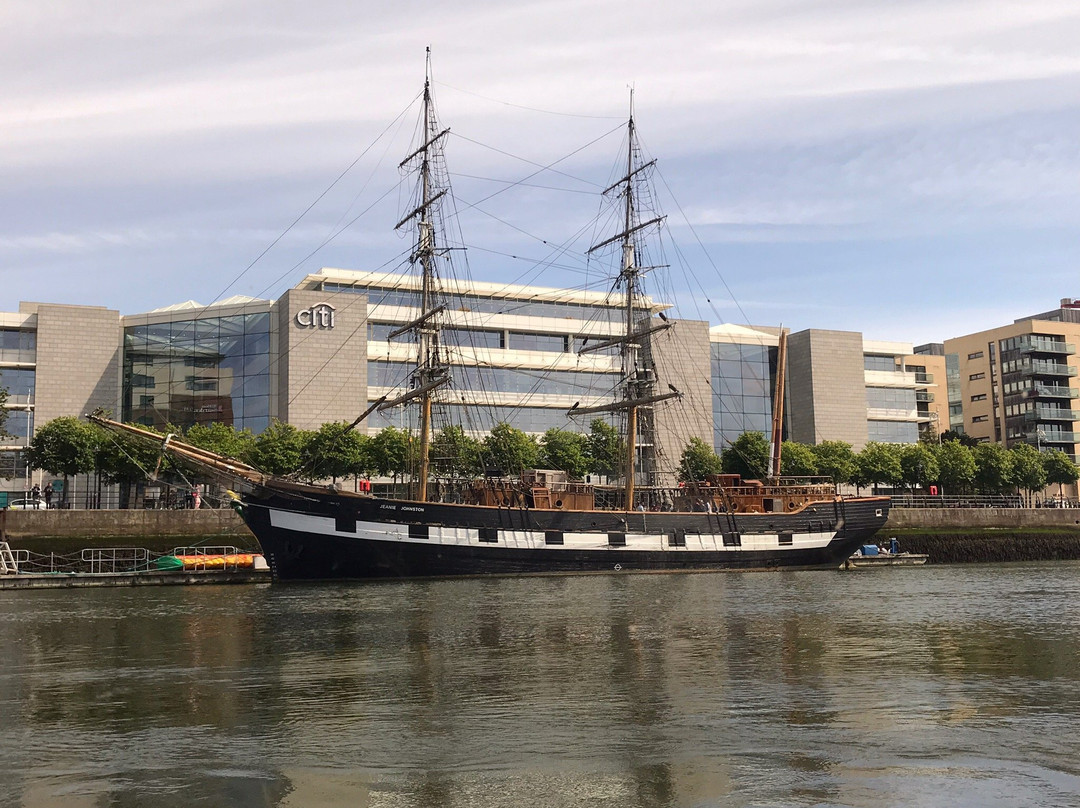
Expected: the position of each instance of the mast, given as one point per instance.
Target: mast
(776, 440)
(431, 371)
(639, 383)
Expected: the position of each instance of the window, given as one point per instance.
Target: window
(976, 376)
(146, 401)
(885, 363)
(979, 397)
(140, 380)
(524, 341)
(976, 355)
(978, 419)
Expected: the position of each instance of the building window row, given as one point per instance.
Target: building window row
(979, 397)
(974, 377)
(976, 355)
(380, 296)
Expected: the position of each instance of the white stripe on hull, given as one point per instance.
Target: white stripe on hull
(535, 539)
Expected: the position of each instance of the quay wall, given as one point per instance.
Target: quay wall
(972, 535)
(947, 535)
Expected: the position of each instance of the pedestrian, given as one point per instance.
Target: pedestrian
(35, 492)
(48, 496)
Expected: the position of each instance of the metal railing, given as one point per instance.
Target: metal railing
(972, 501)
(117, 559)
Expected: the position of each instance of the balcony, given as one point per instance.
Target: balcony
(1052, 414)
(1045, 438)
(1053, 391)
(924, 378)
(924, 396)
(1039, 367)
(1044, 345)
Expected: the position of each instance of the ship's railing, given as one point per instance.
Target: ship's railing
(972, 501)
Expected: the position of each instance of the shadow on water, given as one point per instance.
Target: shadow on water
(651, 690)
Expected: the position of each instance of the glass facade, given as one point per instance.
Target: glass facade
(482, 418)
(893, 431)
(379, 296)
(890, 398)
(19, 383)
(571, 383)
(741, 390)
(17, 345)
(210, 370)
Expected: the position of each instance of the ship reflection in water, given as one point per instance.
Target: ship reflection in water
(937, 686)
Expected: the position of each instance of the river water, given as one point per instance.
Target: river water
(937, 686)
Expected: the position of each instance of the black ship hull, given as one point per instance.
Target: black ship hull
(328, 535)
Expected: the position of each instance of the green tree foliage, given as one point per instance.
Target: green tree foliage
(960, 437)
(993, 468)
(879, 464)
(698, 461)
(918, 466)
(4, 411)
(1027, 473)
(510, 450)
(279, 450)
(393, 452)
(1059, 468)
(565, 450)
(455, 454)
(65, 446)
(604, 448)
(221, 439)
(956, 467)
(334, 450)
(798, 460)
(835, 459)
(748, 456)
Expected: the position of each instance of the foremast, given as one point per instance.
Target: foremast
(639, 383)
(431, 369)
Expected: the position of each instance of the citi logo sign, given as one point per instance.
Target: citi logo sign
(321, 315)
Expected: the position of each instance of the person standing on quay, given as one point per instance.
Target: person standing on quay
(48, 497)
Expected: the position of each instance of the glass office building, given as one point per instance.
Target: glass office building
(199, 371)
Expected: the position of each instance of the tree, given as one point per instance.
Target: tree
(126, 461)
(221, 439)
(698, 461)
(1027, 473)
(65, 446)
(993, 468)
(956, 466)
(835, 459)
(333, 450)
(278, 449)
(393, 452)
(879, 464)
(962, 438)
(565, 450)
(510, 450)
(4, 412)
(455, 454)
(604, 448)
(748, 456)
(1059, 468)
(798, 460)
(918, 466)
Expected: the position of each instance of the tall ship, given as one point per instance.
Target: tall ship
(540, 521)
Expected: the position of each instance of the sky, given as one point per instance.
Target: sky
(908, 170)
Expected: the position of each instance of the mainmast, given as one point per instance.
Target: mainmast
(639, 382)
(431, 371)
